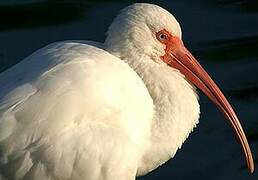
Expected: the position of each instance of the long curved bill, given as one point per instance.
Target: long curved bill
(180, 58)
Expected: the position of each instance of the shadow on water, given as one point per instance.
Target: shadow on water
(238, 5)
(48, 12)
(41, 13)
(245, 93)
(229, 50)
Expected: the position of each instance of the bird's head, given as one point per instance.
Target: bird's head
(137, 31)
(149, 30)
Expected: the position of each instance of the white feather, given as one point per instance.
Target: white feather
(72, 111)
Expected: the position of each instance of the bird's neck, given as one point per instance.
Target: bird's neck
(176, 110)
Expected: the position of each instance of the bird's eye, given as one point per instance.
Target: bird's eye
(161, 36)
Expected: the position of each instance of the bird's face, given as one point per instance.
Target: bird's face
(153, 31)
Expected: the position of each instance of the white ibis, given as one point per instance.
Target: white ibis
(80, 110)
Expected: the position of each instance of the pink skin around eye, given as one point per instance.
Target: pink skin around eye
(171, 44)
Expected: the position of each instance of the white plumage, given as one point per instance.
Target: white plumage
(81, 110)
(66, 102)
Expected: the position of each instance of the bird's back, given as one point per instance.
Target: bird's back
(68, 111)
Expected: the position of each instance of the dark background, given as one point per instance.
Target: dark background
(222, 34)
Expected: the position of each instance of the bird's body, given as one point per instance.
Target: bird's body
(80, 110)
(118, 122)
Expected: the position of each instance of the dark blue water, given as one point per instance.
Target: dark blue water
(223, 34)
